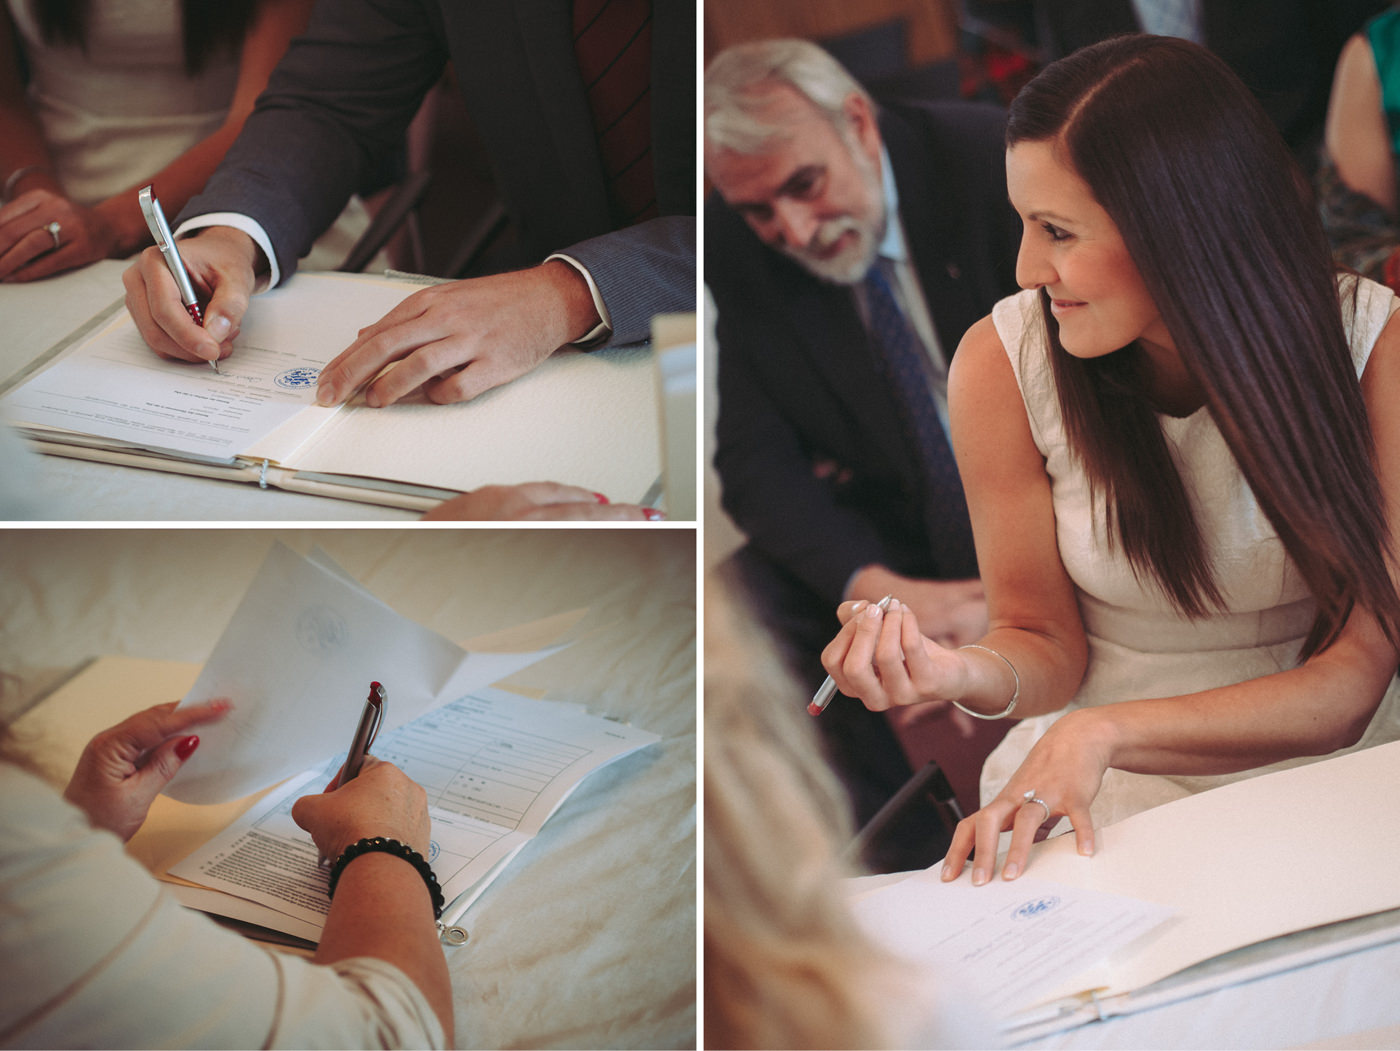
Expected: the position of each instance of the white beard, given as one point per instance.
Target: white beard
(851, 266)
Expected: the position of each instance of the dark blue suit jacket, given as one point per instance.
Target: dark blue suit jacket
(345, 92)
(797, 379)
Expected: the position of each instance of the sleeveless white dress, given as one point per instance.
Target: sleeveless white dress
(121, 109)
(1139, 646)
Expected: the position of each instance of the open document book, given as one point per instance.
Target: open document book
(495, 764)
(1187, 897)
(587, 419)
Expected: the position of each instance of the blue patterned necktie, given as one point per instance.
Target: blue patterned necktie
(904, 364)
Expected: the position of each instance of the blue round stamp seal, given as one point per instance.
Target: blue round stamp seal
(296, 379)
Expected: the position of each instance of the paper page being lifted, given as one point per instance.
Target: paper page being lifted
(297, 660)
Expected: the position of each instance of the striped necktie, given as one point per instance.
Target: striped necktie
(904, 364)
(612, 41)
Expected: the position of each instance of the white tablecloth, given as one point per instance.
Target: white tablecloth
(588, 939)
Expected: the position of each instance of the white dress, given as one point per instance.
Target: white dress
(1139, 647)
(121, 109)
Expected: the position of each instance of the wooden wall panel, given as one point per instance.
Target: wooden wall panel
(932, 24)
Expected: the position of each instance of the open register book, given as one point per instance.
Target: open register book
(1248, 879)
(588, 419)
(495, 764)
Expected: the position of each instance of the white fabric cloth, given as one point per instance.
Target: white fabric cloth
(97, 954)
(1139, 647)
(121, 109)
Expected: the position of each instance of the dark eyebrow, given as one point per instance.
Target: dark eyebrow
(805, 174)
(790, 187)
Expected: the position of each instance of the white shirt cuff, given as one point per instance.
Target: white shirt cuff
(603, 330)
(252, 228)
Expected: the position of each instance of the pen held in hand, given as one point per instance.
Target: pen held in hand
(160, 231)
(365, 733)
(827, 690)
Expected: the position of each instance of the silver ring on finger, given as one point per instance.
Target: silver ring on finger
(1030, 797)
(54, 229)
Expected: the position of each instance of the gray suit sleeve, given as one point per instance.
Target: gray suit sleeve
(340, 100)
(643, 270)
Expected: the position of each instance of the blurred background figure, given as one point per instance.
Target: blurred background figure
(785, 963)
(1356, 174)
(100, 98)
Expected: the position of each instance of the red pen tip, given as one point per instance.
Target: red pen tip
(375, 686)
(814, 708)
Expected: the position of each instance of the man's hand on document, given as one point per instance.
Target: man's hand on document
(460, 339)
(222, 265)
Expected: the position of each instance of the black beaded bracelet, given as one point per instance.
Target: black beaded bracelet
(399, 850)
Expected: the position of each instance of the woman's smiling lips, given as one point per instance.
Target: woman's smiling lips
(1060, 306)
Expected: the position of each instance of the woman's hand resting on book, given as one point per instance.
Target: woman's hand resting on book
(538, 501)
(1058, 778)
(381, 801)
(125, 767)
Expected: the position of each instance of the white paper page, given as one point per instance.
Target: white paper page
(112, 385)
(495, 766)
(1008, 941)
(1266, 856)
(297, 660)
(586, 419)
(221, 904)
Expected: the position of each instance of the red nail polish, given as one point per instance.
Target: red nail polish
(186, 748)
(601, 498)
(653, 515)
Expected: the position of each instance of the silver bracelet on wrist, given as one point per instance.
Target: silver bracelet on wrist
(1015, 693)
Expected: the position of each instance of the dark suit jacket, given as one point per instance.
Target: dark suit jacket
(797, 379)
(1284, 50)
(345, 92)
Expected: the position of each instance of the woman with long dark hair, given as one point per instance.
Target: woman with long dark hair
(1178, 463)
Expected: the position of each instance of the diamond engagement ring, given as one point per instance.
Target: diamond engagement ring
(1031, 797)
(53, 228)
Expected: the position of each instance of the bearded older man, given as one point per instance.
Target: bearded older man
(847, 248)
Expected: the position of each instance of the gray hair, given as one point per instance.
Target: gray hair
(737, 82)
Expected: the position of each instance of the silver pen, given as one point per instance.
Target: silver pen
(827, 690)
(365, 732)
(165, 241)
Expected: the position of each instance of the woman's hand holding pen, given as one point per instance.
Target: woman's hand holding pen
(125, 767)
(882, 658)
(222, 263)
(381, 801)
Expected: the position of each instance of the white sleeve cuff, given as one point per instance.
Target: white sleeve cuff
(603, 330)
(253, 229)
